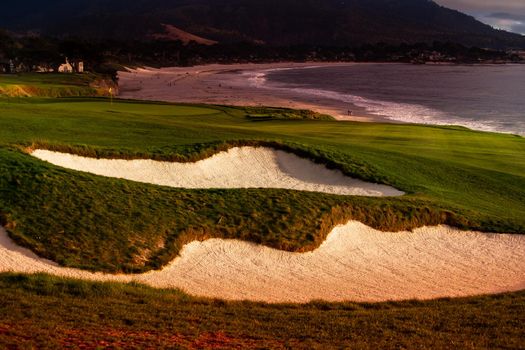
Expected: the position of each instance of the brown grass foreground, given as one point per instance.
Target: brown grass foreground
(46, 312)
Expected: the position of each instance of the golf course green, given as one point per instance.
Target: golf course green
(451, 175)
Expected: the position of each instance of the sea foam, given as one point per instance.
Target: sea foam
(395, 111)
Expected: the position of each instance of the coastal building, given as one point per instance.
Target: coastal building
(13, 67)
(4, 66)
(43, 69)
(65, 67)
(71, 67)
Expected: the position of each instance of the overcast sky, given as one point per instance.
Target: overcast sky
(503, 14)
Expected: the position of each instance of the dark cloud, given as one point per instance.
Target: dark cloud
(506, 15)
(502, 14)
(518, 28)
(486, 6)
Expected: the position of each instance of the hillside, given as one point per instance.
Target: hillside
(274, 22)
(175, 34)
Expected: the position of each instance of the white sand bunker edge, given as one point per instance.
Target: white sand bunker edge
(240, 167)
(355, 263)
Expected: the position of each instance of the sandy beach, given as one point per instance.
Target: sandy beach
(236, 84)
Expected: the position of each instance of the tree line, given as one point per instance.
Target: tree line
(108, 56)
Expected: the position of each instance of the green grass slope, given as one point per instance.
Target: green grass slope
(55, 85)
(44, 312)
(452, 175)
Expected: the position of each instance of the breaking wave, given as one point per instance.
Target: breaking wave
(395, 111)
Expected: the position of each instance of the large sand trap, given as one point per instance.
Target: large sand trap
(355, 263)
(241, 167)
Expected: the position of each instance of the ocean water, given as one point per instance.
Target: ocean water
(481, 97)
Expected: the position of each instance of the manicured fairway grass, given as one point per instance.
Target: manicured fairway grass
(452, 175)
(45, 312)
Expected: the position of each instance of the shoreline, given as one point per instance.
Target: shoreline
(223, 84)
(244, 84)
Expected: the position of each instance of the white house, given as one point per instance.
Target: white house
(66, 67)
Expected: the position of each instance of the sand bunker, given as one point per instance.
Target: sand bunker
(241, 167)
(355, 263)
